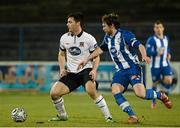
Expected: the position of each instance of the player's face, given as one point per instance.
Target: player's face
(158, 29)
(107, 29)
(72, 24)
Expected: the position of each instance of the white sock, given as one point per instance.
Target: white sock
(59, 105)
(101, 103)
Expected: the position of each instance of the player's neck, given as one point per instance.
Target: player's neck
(113, 32)
(160, 36)
(77, 32)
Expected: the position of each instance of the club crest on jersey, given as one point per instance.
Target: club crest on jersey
(81, 44)
(113, 50)
(74, 51)
(118, 40)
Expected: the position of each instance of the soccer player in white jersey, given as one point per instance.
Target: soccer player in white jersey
(157, 48)
(121, 45)
(75, 46)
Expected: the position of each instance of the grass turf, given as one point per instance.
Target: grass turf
(83, 112)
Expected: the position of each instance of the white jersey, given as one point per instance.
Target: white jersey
(77, 49)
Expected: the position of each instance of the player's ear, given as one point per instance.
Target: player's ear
(112, 26)
(78, 23)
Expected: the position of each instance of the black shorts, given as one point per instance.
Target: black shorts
(74, 80)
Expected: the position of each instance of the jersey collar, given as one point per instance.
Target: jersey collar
(78, 34)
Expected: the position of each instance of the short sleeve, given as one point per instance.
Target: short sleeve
(104, 45)
(151, 47)
(131, 40)
(93, 44)
(61, 45)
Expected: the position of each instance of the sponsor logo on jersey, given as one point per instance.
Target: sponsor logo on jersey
(81, 44)
(74, 51)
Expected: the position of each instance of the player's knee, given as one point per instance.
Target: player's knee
(54, 95)
(91, 92)
(139, 90)
(168, 81)
(116, 88)
(141, 95)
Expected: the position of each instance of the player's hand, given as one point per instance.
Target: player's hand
(63, 72)
(93, 74)
(168, 57)
(146, 59)
(160, 51)
(82, 64)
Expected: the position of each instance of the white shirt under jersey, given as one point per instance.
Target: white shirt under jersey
(77, 49)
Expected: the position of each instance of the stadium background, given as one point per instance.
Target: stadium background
(30, 30)
(29, 37)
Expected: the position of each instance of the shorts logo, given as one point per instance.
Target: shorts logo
(74, 51)
(154, 78)
(137, 77)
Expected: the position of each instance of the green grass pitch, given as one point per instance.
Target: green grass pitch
(83, 112)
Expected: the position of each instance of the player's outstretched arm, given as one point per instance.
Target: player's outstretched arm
(94, 54)
(93, 72)
(144, 54)
(62, 61)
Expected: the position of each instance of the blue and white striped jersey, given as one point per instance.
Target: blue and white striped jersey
(122, 48)
(152, 46)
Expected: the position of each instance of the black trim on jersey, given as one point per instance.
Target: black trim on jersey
(104, 46)
(80, 34)
(62, 49)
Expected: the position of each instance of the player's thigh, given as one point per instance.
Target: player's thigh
(120, 82)
(167, 73)
(167, 79)
(71, 81)
(86, 81)
(139, 90)
(156, 74)
(90, 88)
(137, 81)
(135, 75)
(59, 89)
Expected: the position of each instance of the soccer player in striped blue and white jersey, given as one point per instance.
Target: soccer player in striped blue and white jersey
(121, 45)
(157, 48)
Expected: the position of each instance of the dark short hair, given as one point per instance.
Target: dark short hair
(158, 22)
(78, 17)
(111, 18)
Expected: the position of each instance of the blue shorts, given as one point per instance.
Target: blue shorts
(128, 76)
(159, 73)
